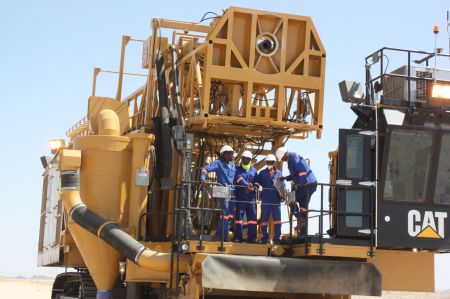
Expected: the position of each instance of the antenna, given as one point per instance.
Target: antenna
(436, 32)
(448, 31)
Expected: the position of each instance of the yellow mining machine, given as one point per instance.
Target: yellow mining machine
(122, 204)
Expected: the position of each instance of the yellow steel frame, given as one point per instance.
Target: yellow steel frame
(230, 91)
(227, 86)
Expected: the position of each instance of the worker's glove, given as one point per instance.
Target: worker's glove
(250, 187)
(203, 182)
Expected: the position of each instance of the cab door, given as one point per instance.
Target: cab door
(414, 191)
(355, 175)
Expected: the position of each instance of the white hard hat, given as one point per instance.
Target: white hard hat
(281, 152)
(270, 157)
(226, 148)
(247, 154)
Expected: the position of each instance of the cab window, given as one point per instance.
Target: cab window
(408, 164)
(442, 190)
(355, 154)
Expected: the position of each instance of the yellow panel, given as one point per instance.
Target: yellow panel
(134, 273)
(69, 159)
(405, 270)
(72, 257)
(241, 38)
(295, 41)
(331, 250)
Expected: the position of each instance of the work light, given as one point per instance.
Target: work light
(440, 91)
(56, 144)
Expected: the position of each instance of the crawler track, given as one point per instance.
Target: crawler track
(80, 285)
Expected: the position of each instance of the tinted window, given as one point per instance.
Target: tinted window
(354, 160)
(408, 165)
(442, 191)
(354, 204)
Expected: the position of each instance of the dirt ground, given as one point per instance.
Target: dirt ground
(11, 288)
(405, 295)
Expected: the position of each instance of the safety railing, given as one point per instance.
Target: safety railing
(205, 213)
(408, 83)
(182, 211)
(80, 128)
(321, 213)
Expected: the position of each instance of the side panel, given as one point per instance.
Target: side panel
(51, 215)
(283, 275)
(414, 202)
(413, 226)
(405, 270)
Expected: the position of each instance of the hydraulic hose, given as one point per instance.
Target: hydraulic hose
(109, 231)
(162, 125)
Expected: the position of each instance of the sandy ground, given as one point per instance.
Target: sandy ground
(11, 288)
(405, 295)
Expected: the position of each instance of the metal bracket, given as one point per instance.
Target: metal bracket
(367, 183)
(320, 251)
(221, 192)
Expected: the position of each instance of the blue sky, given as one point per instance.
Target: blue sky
(49, 49)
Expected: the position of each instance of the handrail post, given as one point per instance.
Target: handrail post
(223, 230)
(409, 79)
(306, 215)
(125, 40)
(94, 80)
(202, 220)
(372, 229)
(321, 221)
(290, 231)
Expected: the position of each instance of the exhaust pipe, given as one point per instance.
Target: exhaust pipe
(109, 231)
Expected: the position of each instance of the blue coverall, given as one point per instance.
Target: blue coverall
(271, 203)
(305, 183)
(225, 172)
(245, 203)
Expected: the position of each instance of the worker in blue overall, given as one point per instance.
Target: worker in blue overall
(225, 171)
(245, 198)
(304, 182)
(270, 199)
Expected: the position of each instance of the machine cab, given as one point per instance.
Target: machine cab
(414, 189)
(400, 144)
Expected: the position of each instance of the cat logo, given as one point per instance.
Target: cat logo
(425, 227)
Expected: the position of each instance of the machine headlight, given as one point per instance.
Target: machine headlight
(185, 247)
(56, 144)
(440, 91)
(122, 268)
